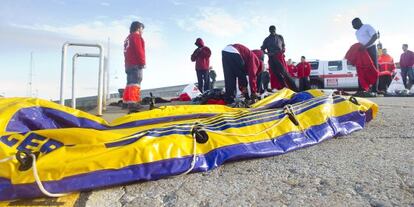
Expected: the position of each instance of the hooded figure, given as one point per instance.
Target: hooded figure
(201, 56)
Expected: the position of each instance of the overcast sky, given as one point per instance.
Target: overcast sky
(316, 29)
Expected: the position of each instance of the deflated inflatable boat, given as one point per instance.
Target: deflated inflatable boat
(48, 149)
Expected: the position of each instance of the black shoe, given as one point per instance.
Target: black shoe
(131, 111)
(369, 94)
(359, 94)
(134, 108)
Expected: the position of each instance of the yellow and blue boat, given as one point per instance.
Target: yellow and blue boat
(48, 149)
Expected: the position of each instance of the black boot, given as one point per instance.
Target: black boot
(134, 108)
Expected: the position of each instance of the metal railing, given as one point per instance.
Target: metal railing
(75, 56)
(101, 83)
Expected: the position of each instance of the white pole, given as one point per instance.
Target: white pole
(101, 83)
(108, 93)
(31, 75)
(73, 81)
(62, 72)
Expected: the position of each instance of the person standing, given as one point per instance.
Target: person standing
(304, 69)
(239, 62)
(274, 47)
(264, 81)
(292, 70)
(261, 72)
(134, 54)
(201, 57)
(407, 64)
(386, 68)
(213, 77)
(366, 36)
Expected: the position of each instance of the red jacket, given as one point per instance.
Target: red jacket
(274, 81)
(386, 65)
(201, 56)
(407, 59)
(251, 65)
(367, 73)
(134, 50)
(303, 69)
(260, 55)
(292, 70)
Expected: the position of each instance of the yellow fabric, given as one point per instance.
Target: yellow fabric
(84, 149)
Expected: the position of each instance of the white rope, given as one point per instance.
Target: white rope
(290, 110)
(39, 182)
(6, 159)
(129, 137)
(245, 135)
(193, 161)
(36, 176)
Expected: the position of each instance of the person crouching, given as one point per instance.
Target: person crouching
(239, 62)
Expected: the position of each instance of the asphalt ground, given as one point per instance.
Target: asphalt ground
(371, 167)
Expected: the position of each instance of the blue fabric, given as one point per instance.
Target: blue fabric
(335, 126)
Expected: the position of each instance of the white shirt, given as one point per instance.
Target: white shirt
(231, 49)
(365, 33)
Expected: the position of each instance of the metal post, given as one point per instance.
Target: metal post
(101, 84)
(100, 81)
(62, 72)
(75, 56)
(73, 81)
(107, 66)
(105, 80)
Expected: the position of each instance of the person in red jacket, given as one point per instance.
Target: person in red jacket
(261, 82)
(304, 69)
(292, 70)
(239, 62)
(201, 56)
(407, 65)
(386, 69)
(134, 53)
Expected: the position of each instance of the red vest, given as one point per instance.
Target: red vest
(386, 65)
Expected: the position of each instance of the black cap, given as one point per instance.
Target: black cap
(135, 26)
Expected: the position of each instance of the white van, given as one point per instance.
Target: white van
(333, 74)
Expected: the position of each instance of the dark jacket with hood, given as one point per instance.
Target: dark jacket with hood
(201, 56)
